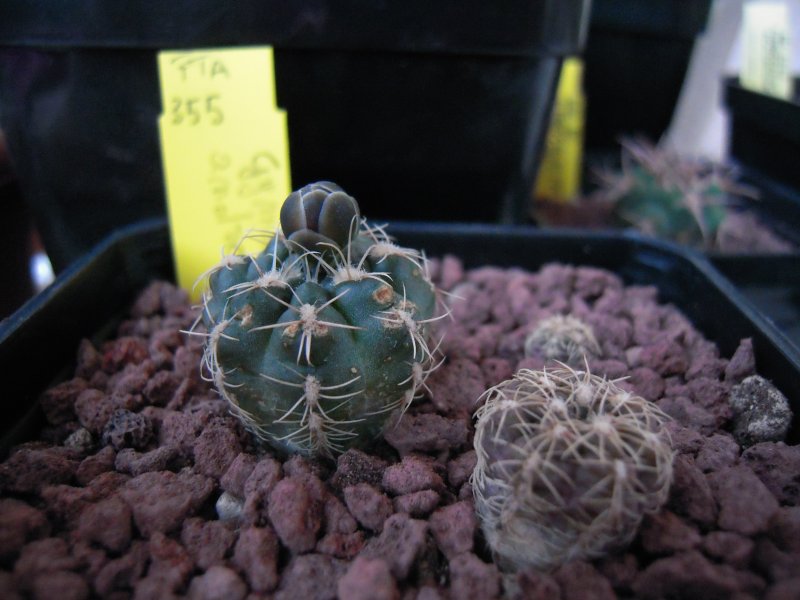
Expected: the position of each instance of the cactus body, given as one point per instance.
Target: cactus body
(567, 465)
(662, 209)
(666, 196)
(563, 338)
(320, 340)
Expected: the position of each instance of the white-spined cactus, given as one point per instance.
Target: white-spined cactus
(567, 465)
(319, 341)
(562, 338)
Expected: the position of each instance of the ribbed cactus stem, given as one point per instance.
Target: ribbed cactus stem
(567, 465)
(563, 338)
(321, 340)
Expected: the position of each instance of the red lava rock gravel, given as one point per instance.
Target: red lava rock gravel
(117, 498)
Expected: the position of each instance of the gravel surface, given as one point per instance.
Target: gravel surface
(118, 498)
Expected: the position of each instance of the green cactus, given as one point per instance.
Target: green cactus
(321, 340)
(567, 465)
(666, 196)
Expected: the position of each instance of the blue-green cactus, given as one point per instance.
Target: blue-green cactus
(321, 340)
(667, 196)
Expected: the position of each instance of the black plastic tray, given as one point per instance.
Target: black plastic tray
(778, 204)
(38, 343)
(771, 284)
(765, 145)
(765, 132)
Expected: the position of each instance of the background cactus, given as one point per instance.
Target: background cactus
(567, 465)
(682, 199)
(664, 195)
(320, 339)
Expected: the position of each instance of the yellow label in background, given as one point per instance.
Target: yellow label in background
(225, 152)
(559, 178)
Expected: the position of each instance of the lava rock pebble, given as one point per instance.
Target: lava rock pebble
(126, 429)
(761, 413)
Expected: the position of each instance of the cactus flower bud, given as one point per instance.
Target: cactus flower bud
(319, 214)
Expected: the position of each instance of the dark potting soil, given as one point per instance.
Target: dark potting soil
(117, 497)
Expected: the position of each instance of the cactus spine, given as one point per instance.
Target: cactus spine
(321, 339)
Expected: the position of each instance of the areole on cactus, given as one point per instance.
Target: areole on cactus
(321, 340)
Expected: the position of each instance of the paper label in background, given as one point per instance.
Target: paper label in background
(766, 49)
(225, 153)
(559, 178)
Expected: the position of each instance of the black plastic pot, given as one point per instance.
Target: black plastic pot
(38, 343)
(442, 106)
(15, 248)
(765, 134)
(637, 55)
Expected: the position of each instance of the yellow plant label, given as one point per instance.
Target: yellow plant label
(559, 178)
(225, 152)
